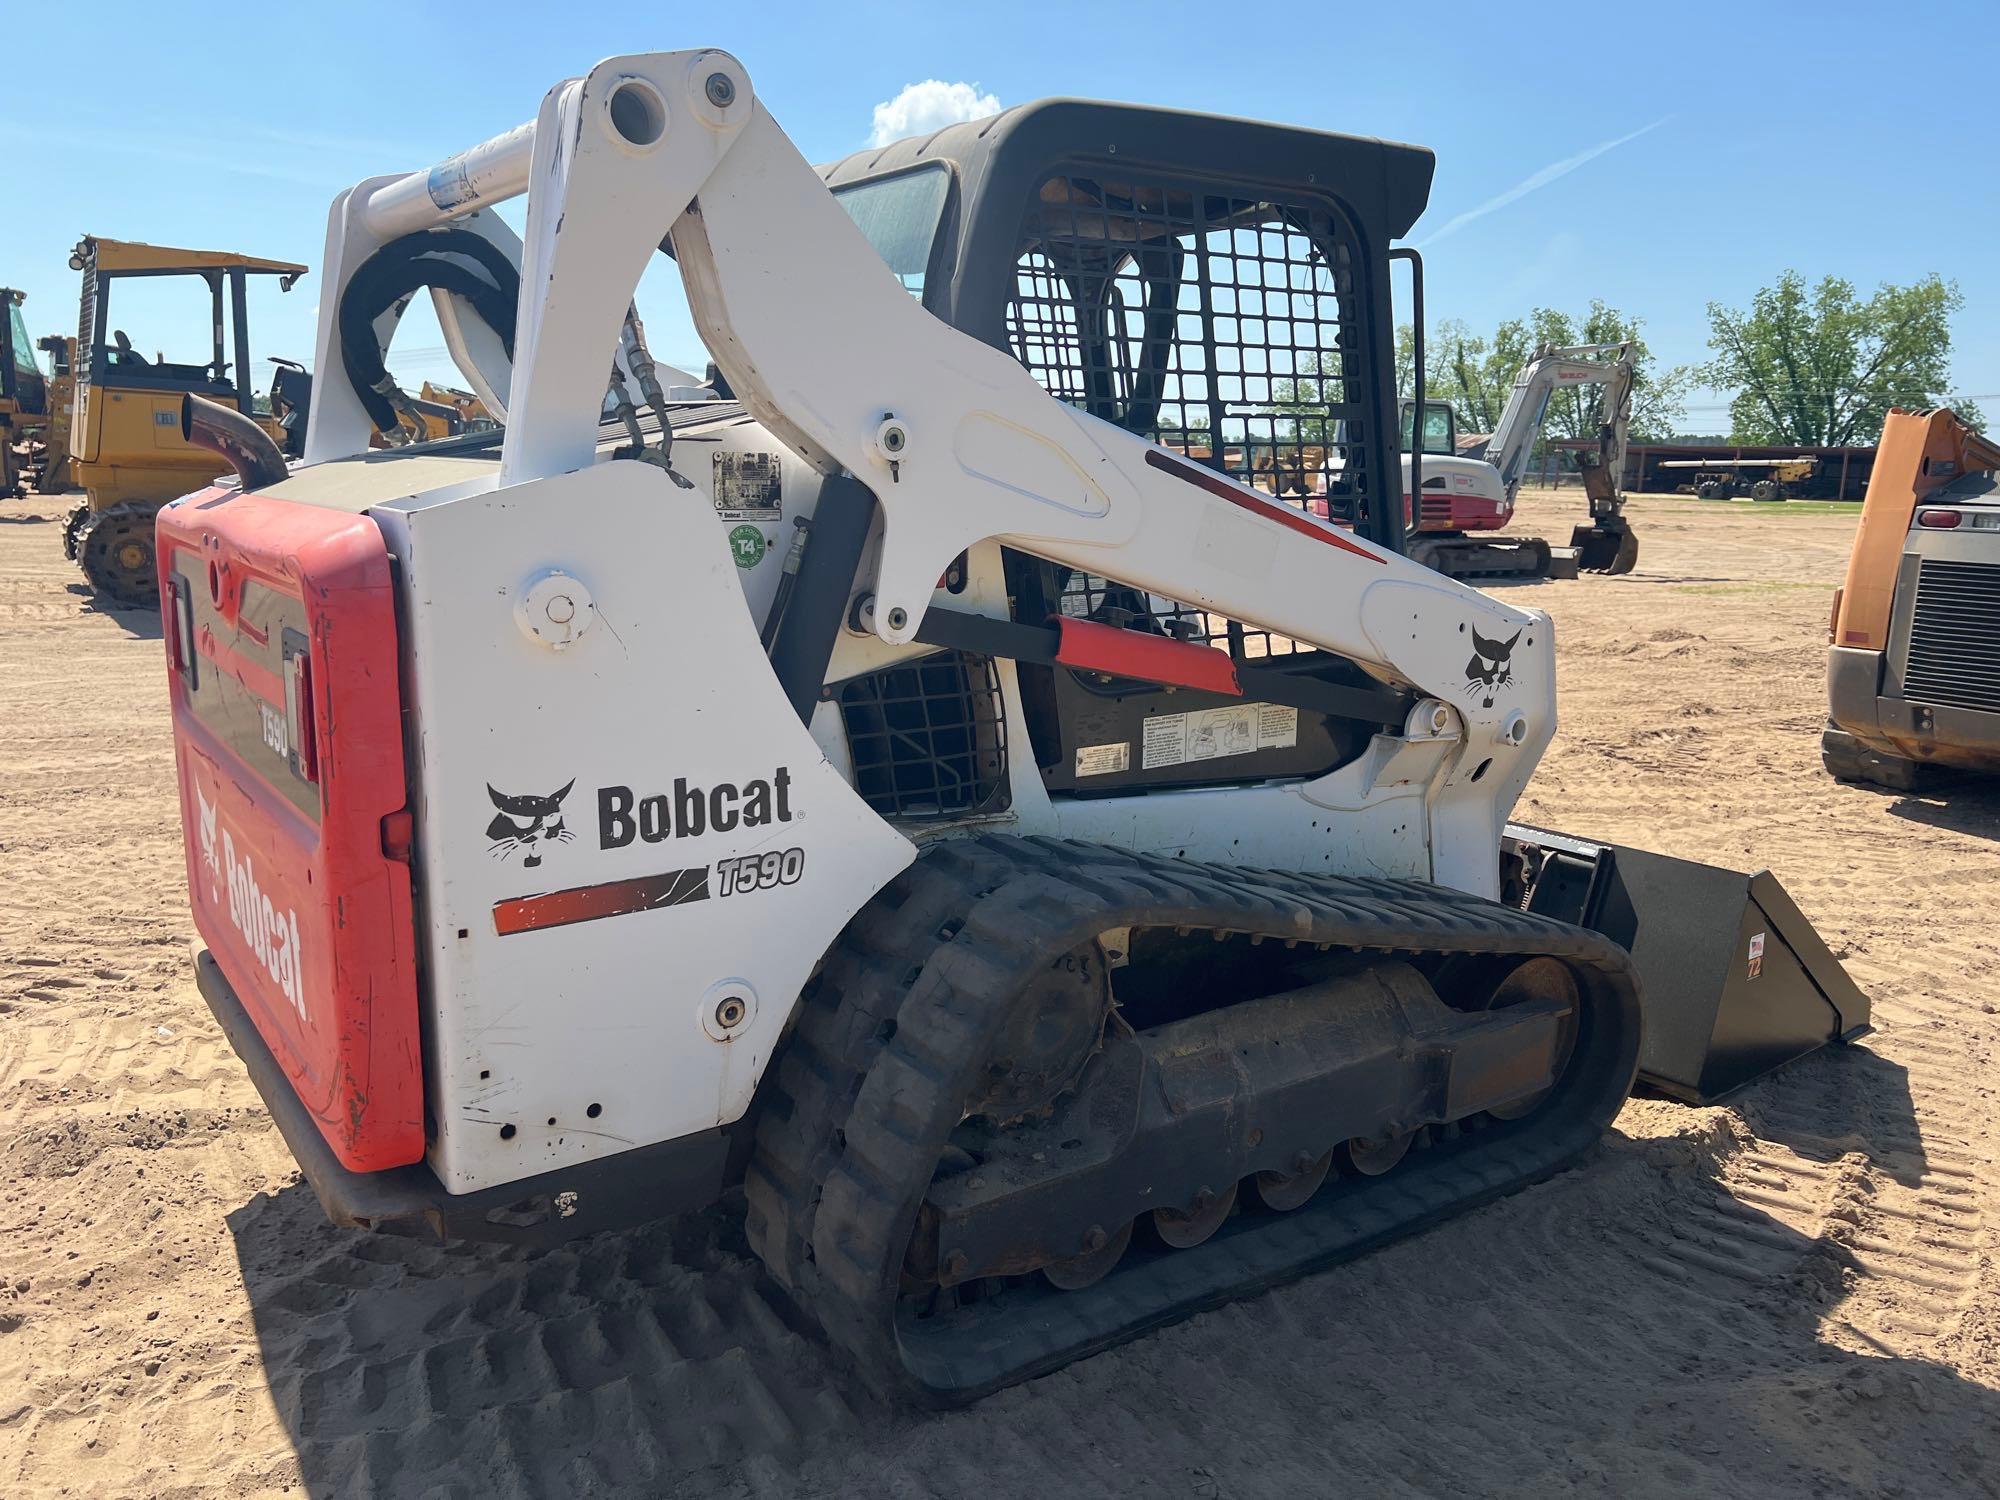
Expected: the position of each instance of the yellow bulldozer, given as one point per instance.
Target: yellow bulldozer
(126, 448)
(49, 458)
(24, 397)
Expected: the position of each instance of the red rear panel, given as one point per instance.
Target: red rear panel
(281, 652)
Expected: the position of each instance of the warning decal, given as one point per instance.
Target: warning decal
(749, 486)
(1216, 733)
(1101, 760)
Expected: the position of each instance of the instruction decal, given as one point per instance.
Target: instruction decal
(1102, 760)
(1217, 733)
(748, 486)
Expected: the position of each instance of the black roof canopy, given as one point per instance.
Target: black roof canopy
(998, 162)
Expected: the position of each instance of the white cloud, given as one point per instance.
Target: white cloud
(1530, 183)
(931, 105)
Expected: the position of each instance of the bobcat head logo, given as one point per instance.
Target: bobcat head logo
(1490, 668)
(526, 823)
(205, 827)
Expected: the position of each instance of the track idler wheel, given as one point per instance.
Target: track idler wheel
(1285, 1191)
(1185, 1228)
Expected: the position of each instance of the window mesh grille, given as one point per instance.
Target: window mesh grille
(928, 738)
(1208, 321)
(1085, 596)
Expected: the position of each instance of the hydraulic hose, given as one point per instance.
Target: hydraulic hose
(392, 273)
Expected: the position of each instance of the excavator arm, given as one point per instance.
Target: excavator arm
(1605, 544)
(1541, 377)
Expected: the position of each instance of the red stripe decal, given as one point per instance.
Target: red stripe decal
(1094, 647)
(589, 903)
(1248, 499)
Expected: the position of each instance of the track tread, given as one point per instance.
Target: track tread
(879, 1066)
(100, 531)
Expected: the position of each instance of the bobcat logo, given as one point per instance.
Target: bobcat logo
(1490, 669)
(205, 827)
(527, 822)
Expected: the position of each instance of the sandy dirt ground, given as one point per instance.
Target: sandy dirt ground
(1796, 1295)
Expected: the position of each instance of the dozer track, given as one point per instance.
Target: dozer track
(861, 1172)
(114, 547)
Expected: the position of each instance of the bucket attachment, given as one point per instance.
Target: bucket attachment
(1735, 980)
(1606, 547)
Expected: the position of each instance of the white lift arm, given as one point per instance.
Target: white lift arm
(955, 439)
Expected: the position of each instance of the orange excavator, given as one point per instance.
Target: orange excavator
(1911, 680)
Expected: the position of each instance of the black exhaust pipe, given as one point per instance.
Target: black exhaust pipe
(258, 462)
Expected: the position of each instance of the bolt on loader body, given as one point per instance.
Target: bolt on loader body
(917, 775)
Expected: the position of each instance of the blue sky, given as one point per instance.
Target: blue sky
(1657, 156)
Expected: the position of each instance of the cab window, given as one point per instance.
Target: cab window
(899, 215)
(1440, 427)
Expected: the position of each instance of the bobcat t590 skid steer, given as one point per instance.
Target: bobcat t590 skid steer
(1063, 885)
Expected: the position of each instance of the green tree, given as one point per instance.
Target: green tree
(1476, 375)
(1822, 367)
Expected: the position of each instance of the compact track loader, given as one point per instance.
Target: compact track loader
(1063, 884)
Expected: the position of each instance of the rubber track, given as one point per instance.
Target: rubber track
(892, 1038)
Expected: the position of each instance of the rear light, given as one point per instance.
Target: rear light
(1941, 520)
(300, 729)
(180, 629)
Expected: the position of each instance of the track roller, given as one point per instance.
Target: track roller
(1185, 1228)
(1377, 1157)
(1100, 1253)
(1284, 1191)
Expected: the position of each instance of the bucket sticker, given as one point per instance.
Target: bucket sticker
(1756, 964)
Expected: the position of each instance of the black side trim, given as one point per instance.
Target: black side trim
(613, 1192)
(816, 610)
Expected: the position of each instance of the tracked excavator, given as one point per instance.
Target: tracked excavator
(1464, 499)
(1065, 885)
